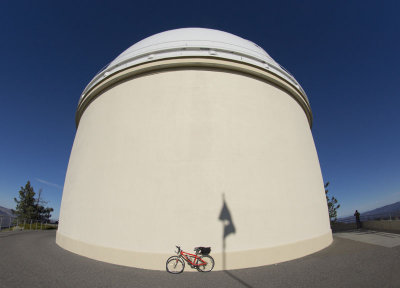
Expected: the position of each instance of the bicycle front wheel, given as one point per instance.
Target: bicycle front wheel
(209, 264)
(175, 265)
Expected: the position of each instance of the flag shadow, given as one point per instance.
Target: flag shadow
(228, 228)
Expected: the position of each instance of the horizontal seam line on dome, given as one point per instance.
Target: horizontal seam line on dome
(304, 103)
(195, 40)
(97, 77)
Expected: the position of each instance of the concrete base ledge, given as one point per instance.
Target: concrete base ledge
(339, 226)
(385, 225)
(233, 260)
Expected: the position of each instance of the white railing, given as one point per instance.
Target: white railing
(11, 223)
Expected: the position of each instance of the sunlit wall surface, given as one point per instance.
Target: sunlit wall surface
(194, 137)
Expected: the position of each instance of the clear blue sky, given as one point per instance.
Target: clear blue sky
(345, 54)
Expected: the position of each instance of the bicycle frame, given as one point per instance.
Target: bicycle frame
(197, 261)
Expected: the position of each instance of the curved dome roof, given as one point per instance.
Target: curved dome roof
(194, 38)
(198, 42)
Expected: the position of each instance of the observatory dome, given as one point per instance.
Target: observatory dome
(194, 130)
(195, 42)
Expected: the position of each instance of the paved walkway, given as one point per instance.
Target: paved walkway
(384, 239)
(32, 259)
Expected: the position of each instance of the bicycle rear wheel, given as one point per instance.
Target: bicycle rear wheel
(175, 265)
(209, 264)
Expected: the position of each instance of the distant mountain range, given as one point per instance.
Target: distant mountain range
(384, 212)
(5, 215)
(391, 208)
(5, 211)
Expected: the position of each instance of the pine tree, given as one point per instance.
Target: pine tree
(28, 207)
(25, 205)
(332, 205)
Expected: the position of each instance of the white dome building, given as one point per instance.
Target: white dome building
(184, 129)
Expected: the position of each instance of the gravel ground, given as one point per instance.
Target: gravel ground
(32, 259)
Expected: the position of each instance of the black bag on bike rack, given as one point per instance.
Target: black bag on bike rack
(205, 250)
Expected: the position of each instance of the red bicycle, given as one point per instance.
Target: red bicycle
(200, 261)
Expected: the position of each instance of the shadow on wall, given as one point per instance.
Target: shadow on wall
(228, 228)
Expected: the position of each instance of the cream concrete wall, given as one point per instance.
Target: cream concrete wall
(153, 156)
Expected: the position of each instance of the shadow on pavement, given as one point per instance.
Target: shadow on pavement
(237, 279)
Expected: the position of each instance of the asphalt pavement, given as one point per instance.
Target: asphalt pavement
(32, 259)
